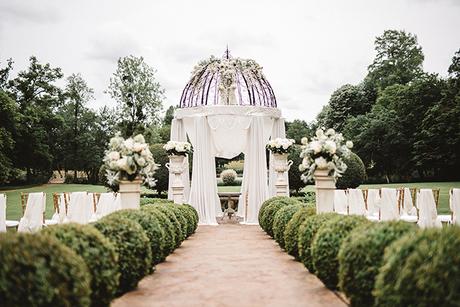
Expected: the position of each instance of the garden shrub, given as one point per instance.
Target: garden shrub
(270, 210)
(291, 233)
(99, 255)
(153, 229)
(306, 234)
(361, 255)
(38, 270)
(228, 176)
(161, 173)
(153, 200)
(166, 210)
(294, 174)
(282, 217)
(355, 174)
(326, 244)
(190, 217)
(264, 205)
(169, 231)
(421, 269)
(132, 246)
(181, 218)
(195, 214)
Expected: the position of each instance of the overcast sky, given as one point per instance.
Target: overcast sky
(307, 48)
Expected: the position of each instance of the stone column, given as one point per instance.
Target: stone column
(130, 193)
(176, 168)
(325, 187)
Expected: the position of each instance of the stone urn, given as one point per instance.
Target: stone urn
(176, 168)
(325, 187)
(130, 193)
(281, 166)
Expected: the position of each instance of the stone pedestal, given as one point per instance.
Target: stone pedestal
(130, 194)
(281, 166)
(325, 186)
(176, 168)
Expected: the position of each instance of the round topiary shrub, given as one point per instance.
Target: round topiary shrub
(99, 255)
(264, 205)
(37, 270)
(190, 217)
(271, 209)
(166, 210)
(228, 176)
(194, 212)
(132, 246)
(355, 174)
(152, 227)
(361, 255)
(326, 244)
(291, 233)
(282, 217)
(421, 269)
(181, 218)
(169, 231)
(306, 234)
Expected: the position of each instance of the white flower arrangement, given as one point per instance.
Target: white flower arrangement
(129, 159)
(325, 151)
(174, 148)
(280, 146)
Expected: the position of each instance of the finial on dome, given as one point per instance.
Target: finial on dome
(227, 54)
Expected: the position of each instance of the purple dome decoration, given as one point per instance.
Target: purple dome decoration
(227, 81)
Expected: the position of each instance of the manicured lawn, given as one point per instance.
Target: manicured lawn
(444, 188)
(229, 188)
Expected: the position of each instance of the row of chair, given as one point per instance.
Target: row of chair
(408, 204)
(78, 207)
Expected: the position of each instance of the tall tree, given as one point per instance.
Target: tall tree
(138, 94)
(298, 129)
(399, 59)
(5, 73)
(8, 122)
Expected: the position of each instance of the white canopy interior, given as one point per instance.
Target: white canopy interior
(226, 131)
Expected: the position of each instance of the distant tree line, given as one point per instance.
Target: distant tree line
(46, 127)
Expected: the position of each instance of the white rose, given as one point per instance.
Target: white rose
(129, 144)
(319, 133)
(285, 146)
(304, 141)
(349, 144)
(123, 164)
(180, 147)
(316, 146)
(138, 147)
(139, 138)
(114, 155)
(330, 146)
(306, 162)
(321, 163)
(330, 131)
(141, 162)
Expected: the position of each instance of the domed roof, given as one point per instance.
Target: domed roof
(227, 81)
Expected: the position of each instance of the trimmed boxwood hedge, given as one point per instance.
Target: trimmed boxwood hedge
(99, 255)
(421, 269)
(291, 233)
(282, 217)
(169, 212)
(307, 232)
(153, 229)
(264, 206)
(132, 246)
(195, 213)
(326, 244)
(169, 230)
(153, 200)
(181, 218)
(190, 217)
(270, 212)
(37, 270)
(355, 173)
(361, 255)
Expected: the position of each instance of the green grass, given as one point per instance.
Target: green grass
(444, 188)
(229, 188)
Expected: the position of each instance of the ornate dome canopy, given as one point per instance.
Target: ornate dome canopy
(227, 81)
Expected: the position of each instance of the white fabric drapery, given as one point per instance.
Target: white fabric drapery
(388, 204)
(454, 204)
(178, 134)
(356, 204)
(80, 208)
(340, 202)
(105, 205)
(2, 213)
(428, 215)
(373, 198)
(32, 221)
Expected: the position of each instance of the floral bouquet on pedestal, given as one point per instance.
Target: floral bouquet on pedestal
(280, 146)
(129, 159)
(325, 152)
(174, 148)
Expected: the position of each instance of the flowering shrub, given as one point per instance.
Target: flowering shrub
(325, 151)
(129, 159)
(174, 148)
(280, 146)
(228, 176)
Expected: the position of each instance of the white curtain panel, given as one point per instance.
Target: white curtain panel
(428, 216)
(79, 209)
(229, 134)
(279, 131)
(203, 190)
(340, 202)
(408, 207)
(356, 204)
(2, 213)
(454, 203)
(373, 198)
(388, 204)
(32, 221)
(178, 134)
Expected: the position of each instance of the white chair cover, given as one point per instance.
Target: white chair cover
(60, 216)
(388, 204)
(2, 213)
(79, 209)
(454, 203)
(356, 204)
(340, 202)
(408, 207)
(32, 221)
(428, 215)
(105, 205)
(373, 199)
